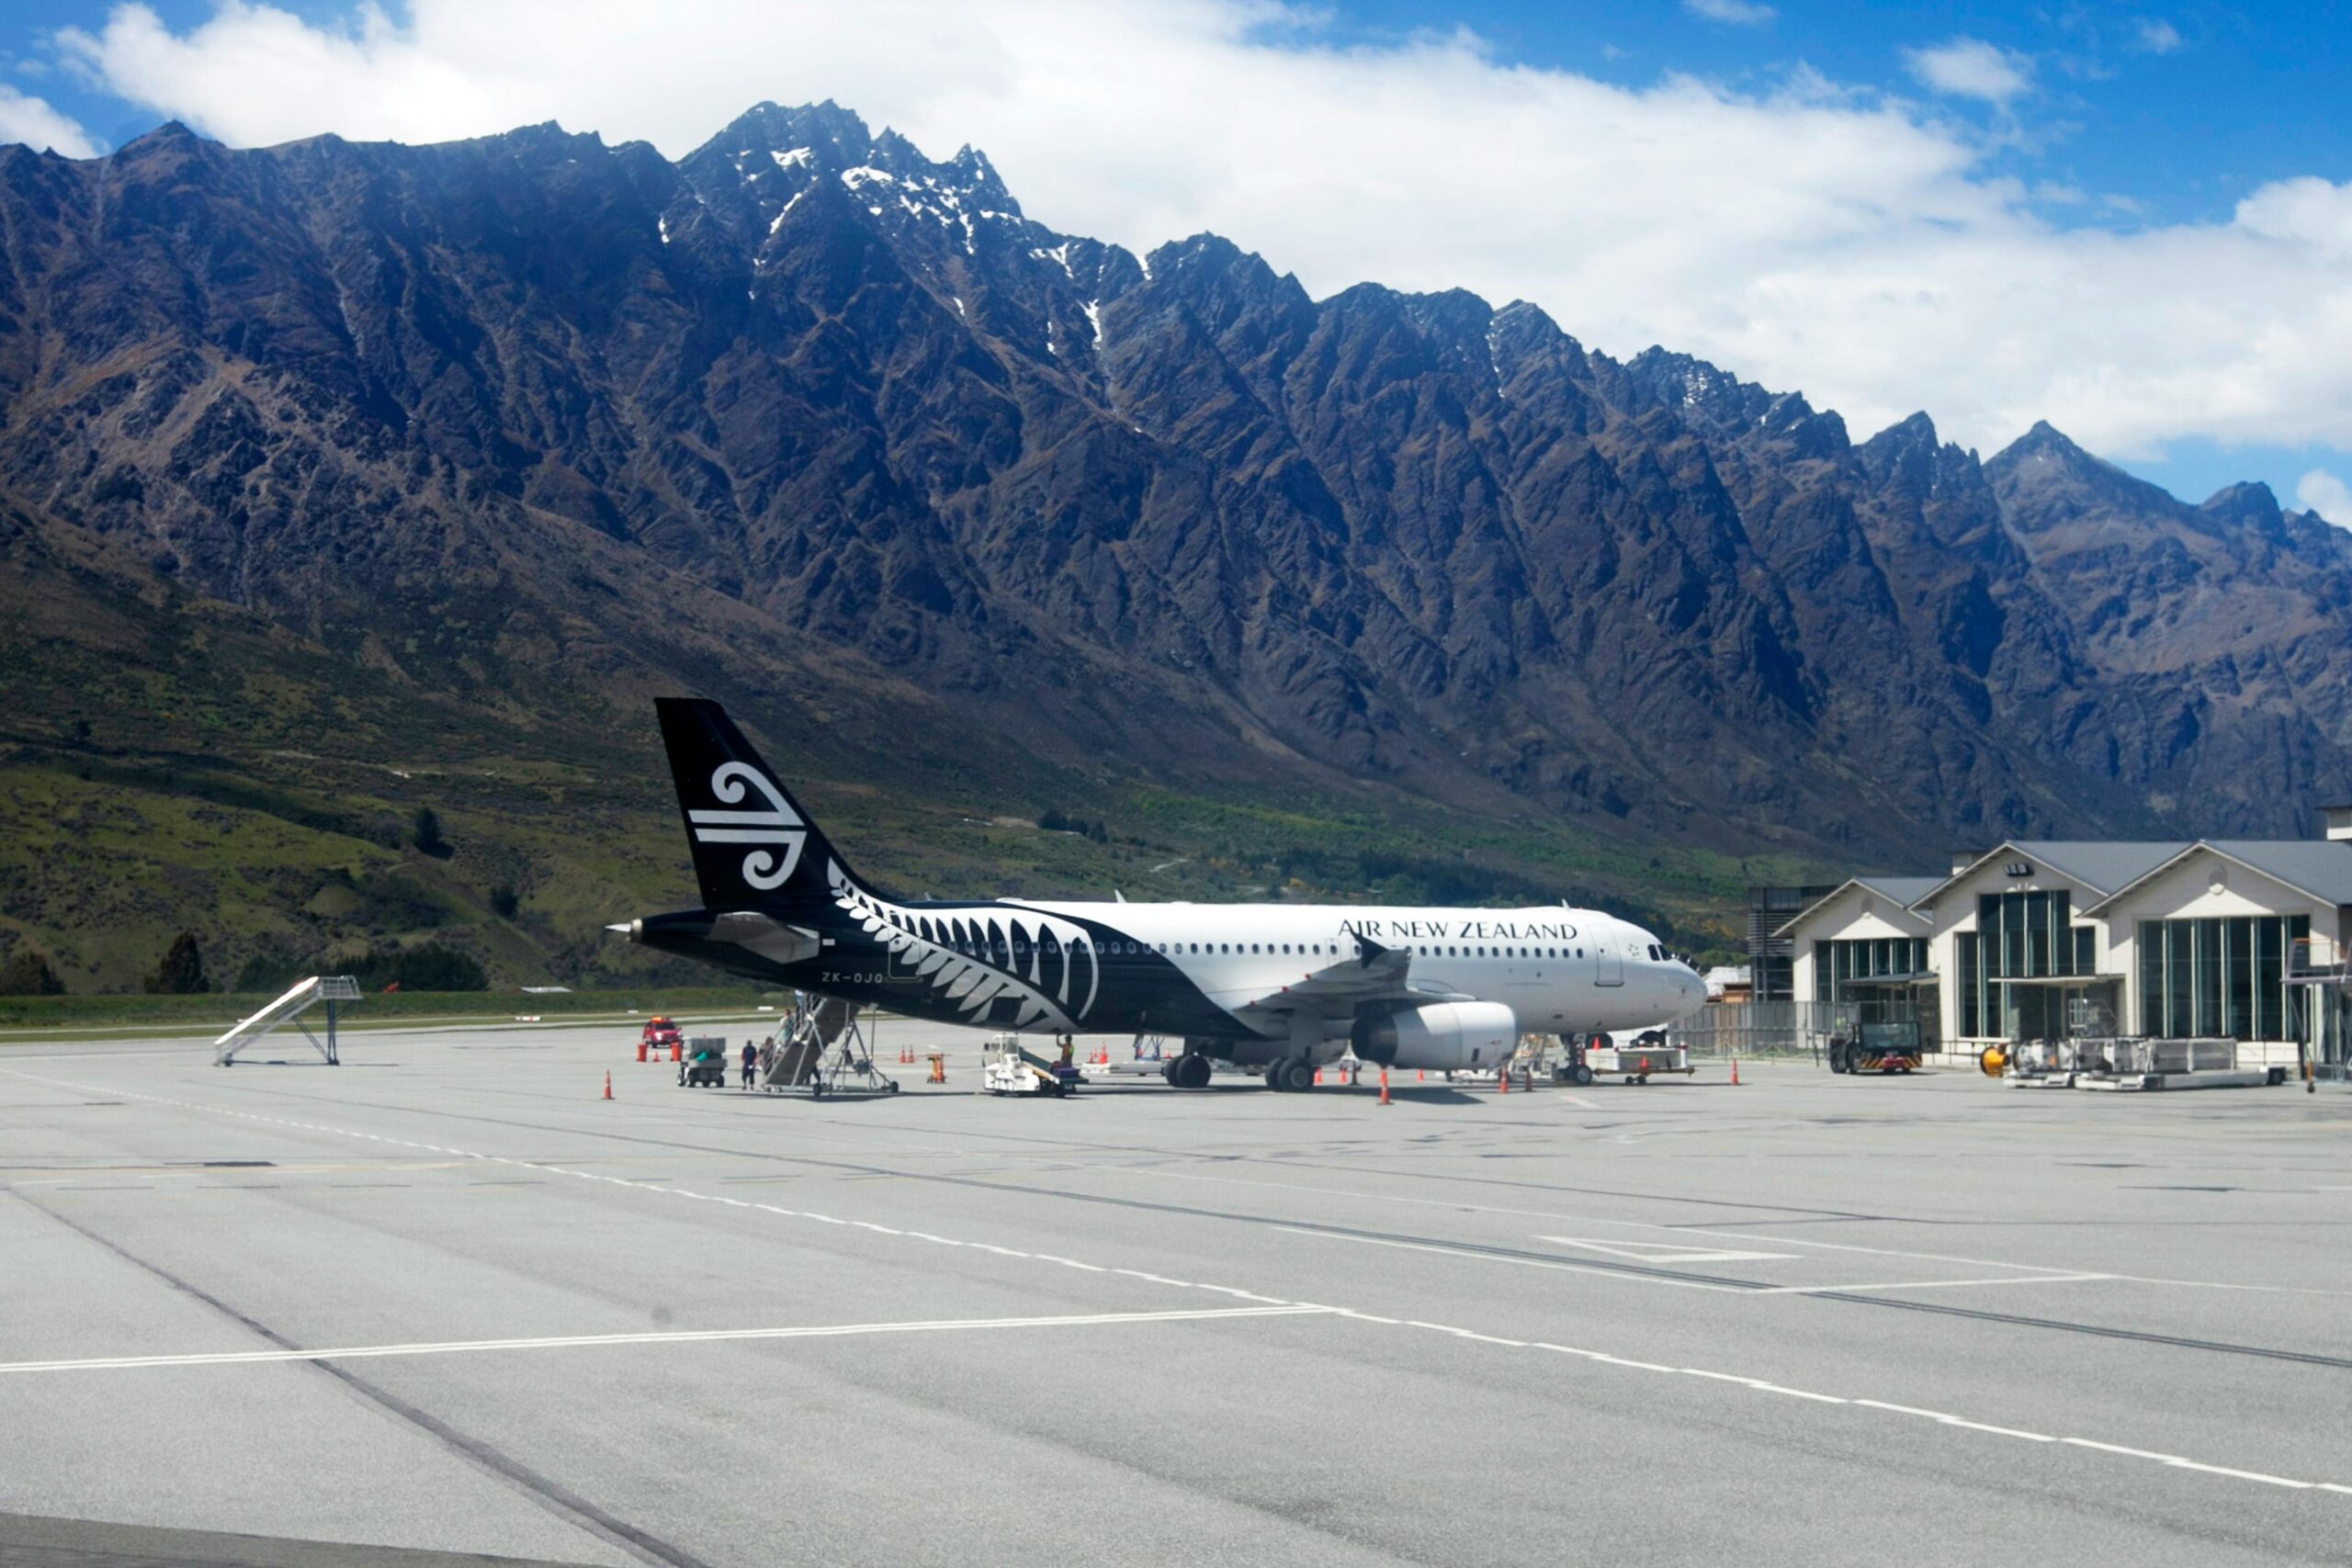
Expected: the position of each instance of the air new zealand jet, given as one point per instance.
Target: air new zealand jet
(1282, 987)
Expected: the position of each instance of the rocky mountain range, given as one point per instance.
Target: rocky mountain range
(522, 428)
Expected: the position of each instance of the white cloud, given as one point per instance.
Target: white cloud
(1807, 235)
(1970, 68)
(2154, 35)
(2327, 495)
(30, 120)
(1739, 13)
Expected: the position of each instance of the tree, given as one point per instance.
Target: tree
(181, 974)
(505, 901)
(27, 974)
(424, 832)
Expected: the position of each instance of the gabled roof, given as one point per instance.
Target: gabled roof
(2102, 865)
(2320, 869)
(1901, 891)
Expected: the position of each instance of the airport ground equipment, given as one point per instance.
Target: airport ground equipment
(823, 1051)
(2032, 1064)
(1586, 1058)
(1890, 1047)
(706, 1063)
(2118, 1064)
(1008, 1067)
(660, 1035)
(288, 1009)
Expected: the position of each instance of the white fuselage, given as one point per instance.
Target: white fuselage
(1558, 969)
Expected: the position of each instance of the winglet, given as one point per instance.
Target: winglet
(1368, 951)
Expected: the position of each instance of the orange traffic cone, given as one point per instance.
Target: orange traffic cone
(1318, 1075)
(1384, 1086)
(608, 1083)
(1419, 1076)
(1735, 1072)
(1502, 1079)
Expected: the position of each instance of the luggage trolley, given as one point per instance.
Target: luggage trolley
(1590, 1057)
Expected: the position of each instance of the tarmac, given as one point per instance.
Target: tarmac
(446, 1299)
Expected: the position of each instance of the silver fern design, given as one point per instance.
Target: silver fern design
(980, 957)
(778, 825)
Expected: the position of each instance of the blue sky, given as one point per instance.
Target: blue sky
(2135, 221)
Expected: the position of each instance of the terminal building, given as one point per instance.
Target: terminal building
(2244, 939)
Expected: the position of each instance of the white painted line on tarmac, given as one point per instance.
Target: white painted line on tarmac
(1927, 1284)
(1665, 1251)
(671, 1336)
(1562, 1265)
(1942, 1418)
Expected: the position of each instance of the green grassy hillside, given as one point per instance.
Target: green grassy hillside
(168, 762)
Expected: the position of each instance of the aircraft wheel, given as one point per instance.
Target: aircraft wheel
(1188, 1072)
(1583, 1073)
(1297, 1077)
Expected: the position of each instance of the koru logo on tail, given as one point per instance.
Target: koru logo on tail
(779, 825)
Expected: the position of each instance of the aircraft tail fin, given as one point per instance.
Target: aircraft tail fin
(754, 847)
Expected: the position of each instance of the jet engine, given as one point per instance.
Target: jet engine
(1441, 1036)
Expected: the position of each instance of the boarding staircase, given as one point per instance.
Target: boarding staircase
(823, 1049)
(288, 1009)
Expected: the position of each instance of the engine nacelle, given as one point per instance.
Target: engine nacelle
(1443, 1037)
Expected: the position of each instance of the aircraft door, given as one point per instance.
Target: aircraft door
(1608, 960)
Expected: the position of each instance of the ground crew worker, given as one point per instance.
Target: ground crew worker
(750, 1060)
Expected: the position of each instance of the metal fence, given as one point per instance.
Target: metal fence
(1791, 1028)
(1756, 1029)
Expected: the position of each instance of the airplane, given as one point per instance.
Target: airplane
(1283, 988)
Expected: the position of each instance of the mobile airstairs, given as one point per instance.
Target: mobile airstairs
(824, 1051)
(288, 1009)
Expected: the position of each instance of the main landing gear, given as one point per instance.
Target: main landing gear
(1294, 1074)
(1190, 1070)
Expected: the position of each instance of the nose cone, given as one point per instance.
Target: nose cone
(1690, 990)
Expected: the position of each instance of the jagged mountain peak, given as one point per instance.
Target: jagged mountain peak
(1915, 430)
(1699, 391)
(2045, 474)
(2046, 443)
(2248, 503)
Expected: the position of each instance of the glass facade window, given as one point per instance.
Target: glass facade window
(2218, 978)
(2018, 936)
(1834, 962)
(1972, 986)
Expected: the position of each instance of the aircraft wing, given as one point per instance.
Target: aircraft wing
(1376, 973)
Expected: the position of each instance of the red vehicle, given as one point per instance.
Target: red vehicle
(660, 1037)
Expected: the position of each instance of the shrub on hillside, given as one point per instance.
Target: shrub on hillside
(396, 902)
(181, 974)
(27, 974)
